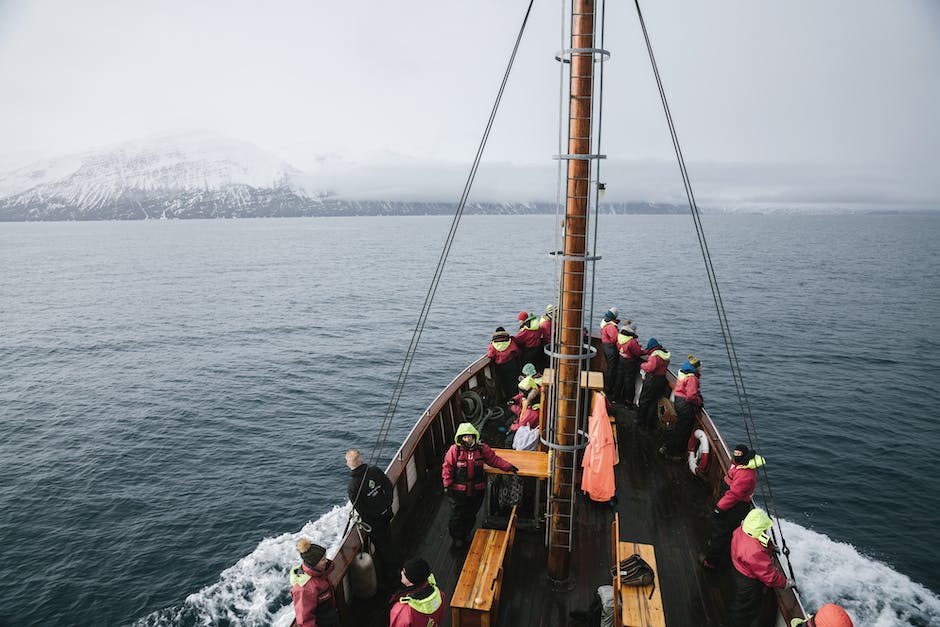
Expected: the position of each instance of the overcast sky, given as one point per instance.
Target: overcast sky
(846, 88)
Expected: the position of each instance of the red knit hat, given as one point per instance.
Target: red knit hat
(523, 316)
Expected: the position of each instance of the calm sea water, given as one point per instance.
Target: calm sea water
(175, 397)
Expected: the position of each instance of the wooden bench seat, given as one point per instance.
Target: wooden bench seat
(635, 606)
(476, 597)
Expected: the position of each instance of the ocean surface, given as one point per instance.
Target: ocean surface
(176, 396)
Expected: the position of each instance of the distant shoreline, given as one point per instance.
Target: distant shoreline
(299, 207)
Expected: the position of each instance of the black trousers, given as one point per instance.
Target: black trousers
(610, 374)
(654, 388)
(723, 525)
(677, 441)
(626, 380)
(507, 379)
(389, 560)
(748, 596)
(463, 513)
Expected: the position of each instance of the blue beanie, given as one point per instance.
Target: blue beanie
(688, 367)
(653, 343)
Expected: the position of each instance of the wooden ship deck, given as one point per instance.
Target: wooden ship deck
(659, 503)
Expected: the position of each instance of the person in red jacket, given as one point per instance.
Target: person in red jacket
(609, 331)
(529, 339)
(655, 386)
(311, 590)
(630, 352)
(545, 327)
(734, 504)
(465, 480)
(754, 569)
(421, 603)
(504, 352)
(528, 418)
(688, 403)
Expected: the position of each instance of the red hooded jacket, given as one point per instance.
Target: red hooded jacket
(609, 333)
(687, 387)
(656, 364)
(631, 349)
(316, 593)
(501, 357)
(403, 615)
(741, 481)
(529, 338)
(752, 559)
(463, 467)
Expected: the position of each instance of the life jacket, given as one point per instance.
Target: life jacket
(429, 604)
(325, 611)
(501, 346)
(470, 474)
(528, 383)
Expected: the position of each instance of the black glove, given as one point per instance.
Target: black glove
(716, 512)
(513, 469)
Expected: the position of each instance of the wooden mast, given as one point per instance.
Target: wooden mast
(573, 278)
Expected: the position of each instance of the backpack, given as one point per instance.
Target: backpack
(634, 571)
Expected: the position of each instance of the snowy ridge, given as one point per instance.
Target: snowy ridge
(133, 180)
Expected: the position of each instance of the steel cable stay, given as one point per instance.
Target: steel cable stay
(736, 372)
(397, 390)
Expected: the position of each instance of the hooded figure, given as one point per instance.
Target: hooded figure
(688, 403)
(628, 365)
(465, 479)
(529, 339)
(504, 352)
(420, 603)
(609, 331)
(311, 591)
(754, 569)
(545, 327)
(655, 386)
(734, 503)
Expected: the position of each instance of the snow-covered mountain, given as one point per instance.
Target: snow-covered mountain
(186, 175)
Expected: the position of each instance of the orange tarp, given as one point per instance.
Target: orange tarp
(597, 480)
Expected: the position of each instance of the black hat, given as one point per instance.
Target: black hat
(745, 454)
(417, 571)
(310, 553)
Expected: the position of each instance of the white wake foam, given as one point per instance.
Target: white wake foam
(255, 590)
(871, 592)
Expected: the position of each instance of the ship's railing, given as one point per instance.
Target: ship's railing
(788, 602)
(417, 460)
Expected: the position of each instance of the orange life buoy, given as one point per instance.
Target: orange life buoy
(699, 451)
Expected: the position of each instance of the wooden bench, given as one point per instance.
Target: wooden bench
(476, 597)
(635, 606)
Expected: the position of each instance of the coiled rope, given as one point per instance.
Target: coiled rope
(736, 372)
(392, 407)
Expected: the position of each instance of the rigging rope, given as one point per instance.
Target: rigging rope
(737, 375)
(397, 390)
